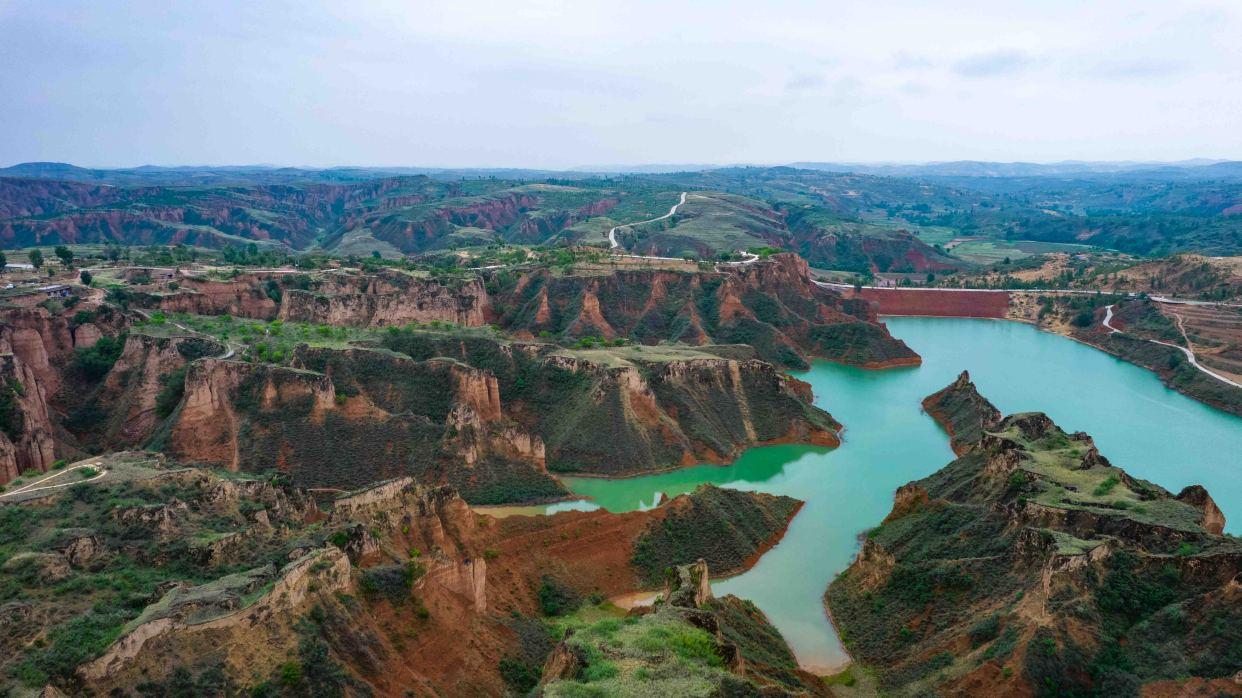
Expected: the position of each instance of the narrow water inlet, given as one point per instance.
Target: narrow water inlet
(1151, 431)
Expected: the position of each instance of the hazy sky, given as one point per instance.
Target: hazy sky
(559, 84)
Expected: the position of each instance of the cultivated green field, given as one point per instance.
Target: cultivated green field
(993, 251)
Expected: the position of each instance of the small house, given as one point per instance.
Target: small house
(56, 291)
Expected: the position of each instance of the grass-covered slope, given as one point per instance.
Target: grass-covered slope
(727, 528)
(688, 644)
(1032, 565)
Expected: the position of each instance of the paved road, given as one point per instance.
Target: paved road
(831, 284)
(612, 234)
(1190, 355)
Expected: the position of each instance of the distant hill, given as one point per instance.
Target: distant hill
(1199, 167)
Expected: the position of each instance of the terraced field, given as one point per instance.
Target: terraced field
(1215, 334)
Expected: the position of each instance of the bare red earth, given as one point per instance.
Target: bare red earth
(916, 301)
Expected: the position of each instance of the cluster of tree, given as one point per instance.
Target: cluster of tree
(251, 256)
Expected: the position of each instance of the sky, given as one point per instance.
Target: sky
(545, 84)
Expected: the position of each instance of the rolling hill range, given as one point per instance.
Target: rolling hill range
(847, 221)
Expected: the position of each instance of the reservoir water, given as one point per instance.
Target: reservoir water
(1151, 431)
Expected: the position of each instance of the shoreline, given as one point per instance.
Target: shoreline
(1093, 345)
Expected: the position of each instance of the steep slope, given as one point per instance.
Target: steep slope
(140, 390)
(661, 407)
(772, 305)
(39, 377)
(720, 646)
(171, 580)
(827, 241)
(728, 529)
(1030, 565)
(963, 412)
(385, 300)
(484, 415)
(347, 418)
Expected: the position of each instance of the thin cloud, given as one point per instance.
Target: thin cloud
(1134, 69)
(805, 82)
(993, 64)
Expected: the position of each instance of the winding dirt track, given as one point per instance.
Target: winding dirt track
(1190, 355)
(31, 487)
(612, 234)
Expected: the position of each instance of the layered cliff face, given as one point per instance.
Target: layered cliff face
(20, 198)
(230, 586)
(347, 418)
(662, 407)
(36, 351)
(772, 305)
(248, 296)
(386, 301)
(142, 388)
(1032, 565)
(26, 430)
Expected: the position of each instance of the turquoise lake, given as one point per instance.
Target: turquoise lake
(1151, 431)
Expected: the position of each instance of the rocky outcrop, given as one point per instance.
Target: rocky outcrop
(26, 429)
(1213, 520)
(349, 418)
(321, 590)
(45, 342)
(748, 656)
(186, 618)
(245, 296)
(688, 585)
(772, 305)
(1008, 567)
(36, 353)
(143, 387)
(389, 304)
(665, 413)
(963, 412)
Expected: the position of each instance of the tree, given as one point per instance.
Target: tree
(36, 258)
(85, 276)
(65, 255)
(4, 262)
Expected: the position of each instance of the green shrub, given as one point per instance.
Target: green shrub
(172, 391)
(521, 676)
(1106, 486)
(556, 599)
(985, 630)
(94, 362)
